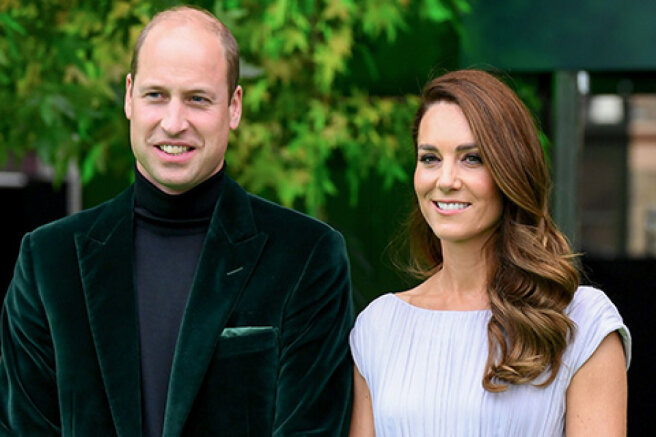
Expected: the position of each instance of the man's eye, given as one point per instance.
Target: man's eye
(154, 95)
(198, 99)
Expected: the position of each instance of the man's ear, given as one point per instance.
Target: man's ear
(127, 105)
(235, 108)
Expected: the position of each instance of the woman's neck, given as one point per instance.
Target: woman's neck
(460, 285)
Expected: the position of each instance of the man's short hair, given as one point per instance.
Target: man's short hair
(208, 21)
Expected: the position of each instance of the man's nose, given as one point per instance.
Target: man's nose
(175, 118)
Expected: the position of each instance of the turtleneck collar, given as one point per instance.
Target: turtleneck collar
(193, 205)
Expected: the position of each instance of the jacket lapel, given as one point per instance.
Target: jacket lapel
(105, 257)
(230, 253)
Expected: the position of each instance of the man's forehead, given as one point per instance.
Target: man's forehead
(188, 17)
(180, 56)
(180, 42)
(181, 28)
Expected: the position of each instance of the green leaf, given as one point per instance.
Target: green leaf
(12, 24)
(276, 14)
(463, 6)
(88, 167)
(338, 10)
(293, 39)
(437, 11)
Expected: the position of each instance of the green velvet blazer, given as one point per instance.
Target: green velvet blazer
(262, 349)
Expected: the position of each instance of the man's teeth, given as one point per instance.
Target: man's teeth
(451, 205)
(173, 150)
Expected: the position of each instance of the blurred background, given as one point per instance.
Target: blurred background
(330, 89)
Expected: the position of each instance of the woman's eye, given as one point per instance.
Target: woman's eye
(473, 158)
(428, 158)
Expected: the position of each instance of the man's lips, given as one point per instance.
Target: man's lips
(173, 148)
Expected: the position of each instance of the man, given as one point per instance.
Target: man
(184, 306)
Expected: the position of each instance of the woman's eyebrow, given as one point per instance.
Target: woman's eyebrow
(461, 148)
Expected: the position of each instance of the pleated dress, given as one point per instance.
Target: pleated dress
(424, 369)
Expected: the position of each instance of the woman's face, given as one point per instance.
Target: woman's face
(456, 193)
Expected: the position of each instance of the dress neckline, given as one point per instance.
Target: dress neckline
(428, 310)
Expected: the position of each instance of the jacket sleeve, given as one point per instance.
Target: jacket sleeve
(28, 392)
(315, 376)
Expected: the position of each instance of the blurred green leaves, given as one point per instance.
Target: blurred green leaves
(62, 68)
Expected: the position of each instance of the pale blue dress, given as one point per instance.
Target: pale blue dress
(424, 369)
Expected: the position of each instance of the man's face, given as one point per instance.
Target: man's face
(179, 109)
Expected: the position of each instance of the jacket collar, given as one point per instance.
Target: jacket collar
(105, 258)
(231, 252)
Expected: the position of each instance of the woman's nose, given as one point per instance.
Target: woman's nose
(448, 179)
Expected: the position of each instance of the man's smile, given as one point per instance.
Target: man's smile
(172, 149)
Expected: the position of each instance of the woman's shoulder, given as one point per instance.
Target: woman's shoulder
(588, 303)
(378, 307)
(379, 316)
(371, 327)
(594, 316)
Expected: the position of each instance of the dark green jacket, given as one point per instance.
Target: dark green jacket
(263, 345)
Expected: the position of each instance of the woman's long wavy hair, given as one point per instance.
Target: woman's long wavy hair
(533, 273)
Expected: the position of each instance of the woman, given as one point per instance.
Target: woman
(499, 339)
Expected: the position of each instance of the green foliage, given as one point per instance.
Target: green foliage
(63, 63)
(62, 68)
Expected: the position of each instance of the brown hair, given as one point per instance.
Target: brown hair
(533, 275)
(205, 19)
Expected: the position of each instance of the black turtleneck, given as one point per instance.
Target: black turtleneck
(169, 233)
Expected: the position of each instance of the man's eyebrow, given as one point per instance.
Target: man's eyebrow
(200, 91)
(150, 86)
(158, 86)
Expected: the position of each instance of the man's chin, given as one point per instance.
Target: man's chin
(174, 186)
